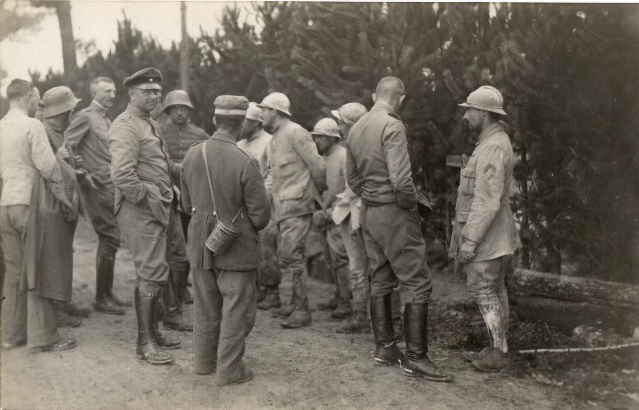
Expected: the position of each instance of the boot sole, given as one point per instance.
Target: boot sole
(142, 357)
(419, 375)
(170, 347)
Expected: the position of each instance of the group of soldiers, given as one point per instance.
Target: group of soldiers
(235, 210)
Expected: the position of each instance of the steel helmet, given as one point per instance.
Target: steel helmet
(177, 97)
(277, 101)
(326, 126)
(350, 113)
(486, 98)
(254, 113)
(58, 100)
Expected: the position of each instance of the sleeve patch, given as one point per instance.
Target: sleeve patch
(490, 171)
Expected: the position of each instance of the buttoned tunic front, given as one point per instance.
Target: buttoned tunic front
(179, 138)
(483, 213)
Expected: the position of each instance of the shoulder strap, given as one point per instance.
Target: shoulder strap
(208, 176)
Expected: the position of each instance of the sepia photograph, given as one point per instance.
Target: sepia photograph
(319, 205)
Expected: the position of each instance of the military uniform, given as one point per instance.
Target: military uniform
(483, 216)
(297, 172)
(179, 138)
(87, 136)
(378, 170)
(223, 285)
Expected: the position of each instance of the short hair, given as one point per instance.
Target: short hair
(18, 88)
(494, 116)
(93, 88)
(389, 87)
(230, 122)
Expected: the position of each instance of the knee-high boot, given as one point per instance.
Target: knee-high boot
(386, 350)
(418, 363)
(147, 347)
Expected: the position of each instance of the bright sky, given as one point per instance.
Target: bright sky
(97, 20)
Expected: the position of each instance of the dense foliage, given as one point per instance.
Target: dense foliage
(568, 72)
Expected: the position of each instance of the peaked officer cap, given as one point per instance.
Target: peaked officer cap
(148, 79)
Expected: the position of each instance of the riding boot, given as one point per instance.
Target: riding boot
(418, 363)
(386, 350)
(343, 309)
(164, 341)
(106, 262)
(147, 347)
(103, 280)
(172, 310)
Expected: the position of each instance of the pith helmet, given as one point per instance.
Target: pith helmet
(177, 97)
(486, 98)
(58, 100)
(350, 113)
(277, 101)
(254, 113)
(326, 126)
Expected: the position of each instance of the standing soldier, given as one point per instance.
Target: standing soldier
(378, 170)
(255, 141)
(87, 138)
(346, 214)
(180, 134)
(297, 173)
(143, 177)
(484, 235)
(56, 247)
(222, 183)
(25, 159)
(327, 138)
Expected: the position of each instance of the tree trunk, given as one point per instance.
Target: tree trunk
(185, 61)
(63, 10)
(593, 291)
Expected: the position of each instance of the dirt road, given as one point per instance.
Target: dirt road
(312, 368)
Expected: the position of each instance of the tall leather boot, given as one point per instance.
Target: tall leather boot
(343, 309)
(103, 280)
(386, 351)
(106, 261)
(147, 347)
(417, 362)
(172, 310)
(163, 340)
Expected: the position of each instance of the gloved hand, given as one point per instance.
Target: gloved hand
(467, 251)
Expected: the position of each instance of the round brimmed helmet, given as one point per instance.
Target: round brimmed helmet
(254, 113)
(58, 100)
(350, 113)
(277, 101)
(326, 126)
(177, 97)
(486, 98)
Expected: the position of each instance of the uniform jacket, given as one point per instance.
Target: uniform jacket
(25, 155)
(483, 213)
(256, 146)
(179, 138)
(377, 162)
(140, 164)
(237, 184)
(296, 170)
(87, 136)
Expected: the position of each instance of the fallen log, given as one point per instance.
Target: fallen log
(566, 315)
(577, 289)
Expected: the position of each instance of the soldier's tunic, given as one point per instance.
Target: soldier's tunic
(87, 136)
(267, 273)
(483, 213)
(223, 286)
(141, 172)
(297, 172)
(179, 138)
(378, 170)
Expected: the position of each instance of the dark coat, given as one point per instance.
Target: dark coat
(237, 183)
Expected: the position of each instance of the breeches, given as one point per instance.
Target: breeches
(100, 206)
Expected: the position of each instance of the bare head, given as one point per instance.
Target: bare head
(390, 90)
(103, 91)
(23, 95)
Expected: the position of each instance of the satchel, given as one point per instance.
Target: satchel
(224, 232)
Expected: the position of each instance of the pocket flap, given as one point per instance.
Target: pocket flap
(468, 172)
(462, 216)
(291, 194)
(288, 158)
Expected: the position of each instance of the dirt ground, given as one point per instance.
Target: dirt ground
(313, 367)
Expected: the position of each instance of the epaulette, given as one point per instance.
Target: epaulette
(196, 143)
(241, 149)
(125, 116)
